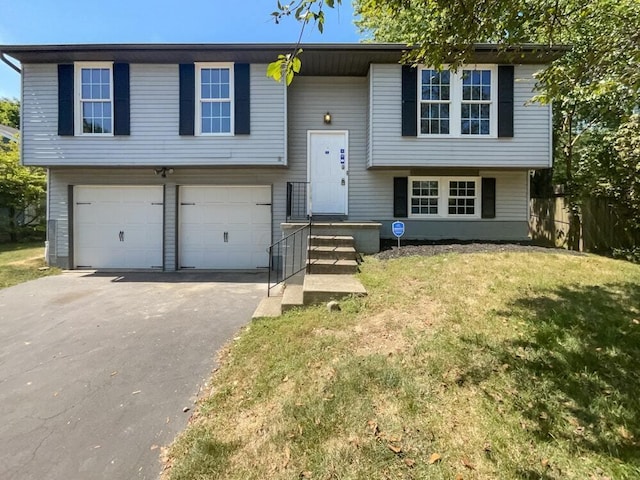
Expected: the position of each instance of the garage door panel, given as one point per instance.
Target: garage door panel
(208, 212)
(141, 237)
(103, 212)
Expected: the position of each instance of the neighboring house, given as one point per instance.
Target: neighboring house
(188, 156)
(8, 134)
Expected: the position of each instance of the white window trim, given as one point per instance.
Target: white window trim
(77, 107)
(455, 102)
(443, 198)
(198, 117)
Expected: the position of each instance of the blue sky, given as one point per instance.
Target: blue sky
(145, 21)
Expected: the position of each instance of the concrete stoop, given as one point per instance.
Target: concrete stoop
(332, 254)
(325, 287)
(293, 297)
(332, 262)
(316, 289)
(268, 307)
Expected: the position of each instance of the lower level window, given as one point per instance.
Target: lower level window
(462, 197)
(424, 197)
(444, 197)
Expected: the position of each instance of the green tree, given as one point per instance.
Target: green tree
(305, 12)
(594, 87)
(10, 112)
(22, 196)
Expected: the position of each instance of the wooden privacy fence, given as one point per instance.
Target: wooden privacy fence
(602, 227)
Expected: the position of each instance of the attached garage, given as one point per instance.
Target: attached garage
(118, 227)
(224, 227)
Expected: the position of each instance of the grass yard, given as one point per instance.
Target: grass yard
(473, 366)
(22, 262)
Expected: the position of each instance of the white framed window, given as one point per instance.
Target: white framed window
(435, 102)
(425, 196)
(214, 105)
(462, 103)
(94, 98)
(462, 198)
(444, 197)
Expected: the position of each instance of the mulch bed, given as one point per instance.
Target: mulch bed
(390, 249)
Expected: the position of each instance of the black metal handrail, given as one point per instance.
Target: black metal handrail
(288, 256)
(297, 201)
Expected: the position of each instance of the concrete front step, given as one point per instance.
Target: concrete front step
(331, 241)
(327, 267)
(314, 290)
(333, 253)
(323, 288)
(292, 297)
(268, 307)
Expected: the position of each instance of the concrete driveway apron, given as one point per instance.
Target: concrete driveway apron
(96, 369)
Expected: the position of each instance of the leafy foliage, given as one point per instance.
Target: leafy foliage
(9, 112)
(305, 12)
(594, 87)
(22, 196)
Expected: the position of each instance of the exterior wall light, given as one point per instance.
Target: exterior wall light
(163, 171)
(327, 118)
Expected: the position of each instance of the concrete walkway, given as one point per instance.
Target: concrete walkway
(96, 369)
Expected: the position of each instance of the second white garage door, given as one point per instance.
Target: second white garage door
(224, 227)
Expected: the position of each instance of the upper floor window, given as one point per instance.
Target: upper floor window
(442, 197)
(460, 103)
(214, 87)
(435, 111)
(94, 108)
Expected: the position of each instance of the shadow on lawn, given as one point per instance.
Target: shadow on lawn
(578, 372)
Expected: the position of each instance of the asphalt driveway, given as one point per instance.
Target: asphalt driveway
(96, 369)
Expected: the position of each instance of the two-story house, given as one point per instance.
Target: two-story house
(188, 156)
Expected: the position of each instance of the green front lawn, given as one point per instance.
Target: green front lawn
(21, 262)
(476, 366)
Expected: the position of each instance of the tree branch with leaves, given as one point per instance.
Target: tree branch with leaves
(306, 12)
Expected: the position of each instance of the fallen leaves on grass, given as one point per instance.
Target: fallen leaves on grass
(434, 458)
(397, 449)
(468, 464)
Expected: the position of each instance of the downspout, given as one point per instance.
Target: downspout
(8, 62)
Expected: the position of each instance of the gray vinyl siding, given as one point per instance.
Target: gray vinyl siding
(528, 148)
(368, 117)
(61, 178)
(346, 99)
(371, 190)
(510, 223)
(154, 138)
(377, 204)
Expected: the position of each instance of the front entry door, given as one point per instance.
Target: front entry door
(328, 172)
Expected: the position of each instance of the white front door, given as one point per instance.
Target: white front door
(328, 169)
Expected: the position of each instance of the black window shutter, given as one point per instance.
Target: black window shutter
(242, 96)
(187, 98)
(505, 100)
(409, 101)
(488, 198)
(121, 105)
(400, 197)
(65, 99)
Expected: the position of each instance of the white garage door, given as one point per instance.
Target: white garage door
(224, 227)
(118, 227)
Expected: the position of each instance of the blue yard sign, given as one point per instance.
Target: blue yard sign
(398, 230)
